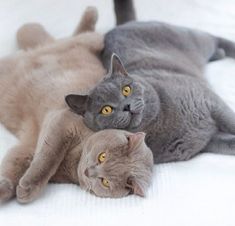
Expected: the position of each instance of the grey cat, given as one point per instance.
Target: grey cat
(159, 89)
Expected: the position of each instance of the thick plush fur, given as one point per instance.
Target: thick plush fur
(169, 100)
(54, 144)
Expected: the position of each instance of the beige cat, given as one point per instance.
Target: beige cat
(54, 144)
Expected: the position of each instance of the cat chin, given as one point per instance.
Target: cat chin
(135, 122)
(82, 178)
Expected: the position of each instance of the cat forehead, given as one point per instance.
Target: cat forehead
(107, 140)
(104, 88)
(104, 92)
(110, 136)
(109, 88)
(113, 82)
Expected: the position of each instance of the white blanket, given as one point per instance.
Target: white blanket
(198, 192)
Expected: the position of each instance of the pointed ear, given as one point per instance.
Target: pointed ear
(116, 66)
(77, 103)
(135, 140)
(135, 187)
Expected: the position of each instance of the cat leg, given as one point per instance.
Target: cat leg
(223, 48)
(56, 137)
(13, 166)
(221, 143)
(88, 21)
(224, 116)
(218, 55)
(228, 47)
(32, 35)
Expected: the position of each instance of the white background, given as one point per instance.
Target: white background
(199, 192)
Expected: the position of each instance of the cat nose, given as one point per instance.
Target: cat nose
(127, 107)
(90, 172)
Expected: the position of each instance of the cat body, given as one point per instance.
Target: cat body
(170, 66)
(165, 95)
(31, 77)
(54, 143)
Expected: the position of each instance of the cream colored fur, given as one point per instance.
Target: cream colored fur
(32, 89)
(54, 144)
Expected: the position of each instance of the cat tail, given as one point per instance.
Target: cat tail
(124, 11)
(88, 21)
(31, 35)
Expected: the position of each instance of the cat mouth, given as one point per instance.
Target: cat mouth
(127, 122)
(82, 177)
(86, 182)
(123, 123)
(135, 121)
(92, 192)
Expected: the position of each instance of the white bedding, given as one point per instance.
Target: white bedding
(199, 192)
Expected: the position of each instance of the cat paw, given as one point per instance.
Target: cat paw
(7, 190)
(27, 192)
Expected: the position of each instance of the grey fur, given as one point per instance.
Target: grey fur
(170, 101)
(124, 11)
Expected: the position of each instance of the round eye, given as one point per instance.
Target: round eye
(101, 157)
(106, 110)
(126, 91)
(105, 182)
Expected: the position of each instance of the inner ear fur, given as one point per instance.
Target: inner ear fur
(135, 186)
(116, 66)
(77, 103)
(135, 139)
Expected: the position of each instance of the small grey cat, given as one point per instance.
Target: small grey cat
(159, 89)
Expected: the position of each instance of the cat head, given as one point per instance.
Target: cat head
(115, 163)
(116, 102)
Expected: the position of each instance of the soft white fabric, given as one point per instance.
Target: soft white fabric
(197, 192)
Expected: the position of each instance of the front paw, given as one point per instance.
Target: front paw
(27, 192)
(7, 189)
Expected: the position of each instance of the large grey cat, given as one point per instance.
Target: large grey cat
(159, 89)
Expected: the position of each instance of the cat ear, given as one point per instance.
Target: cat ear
(135, 140)
(77, 103)
(135, 186)
(116, 66)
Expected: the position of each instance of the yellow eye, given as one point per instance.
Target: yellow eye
(102, 157)
(126, 91)
(106, 110)
(105, 182)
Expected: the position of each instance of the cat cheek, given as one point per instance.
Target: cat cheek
(137, 106)
(100, 122)
(91, 122)
(122, 120)
(136, 121)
